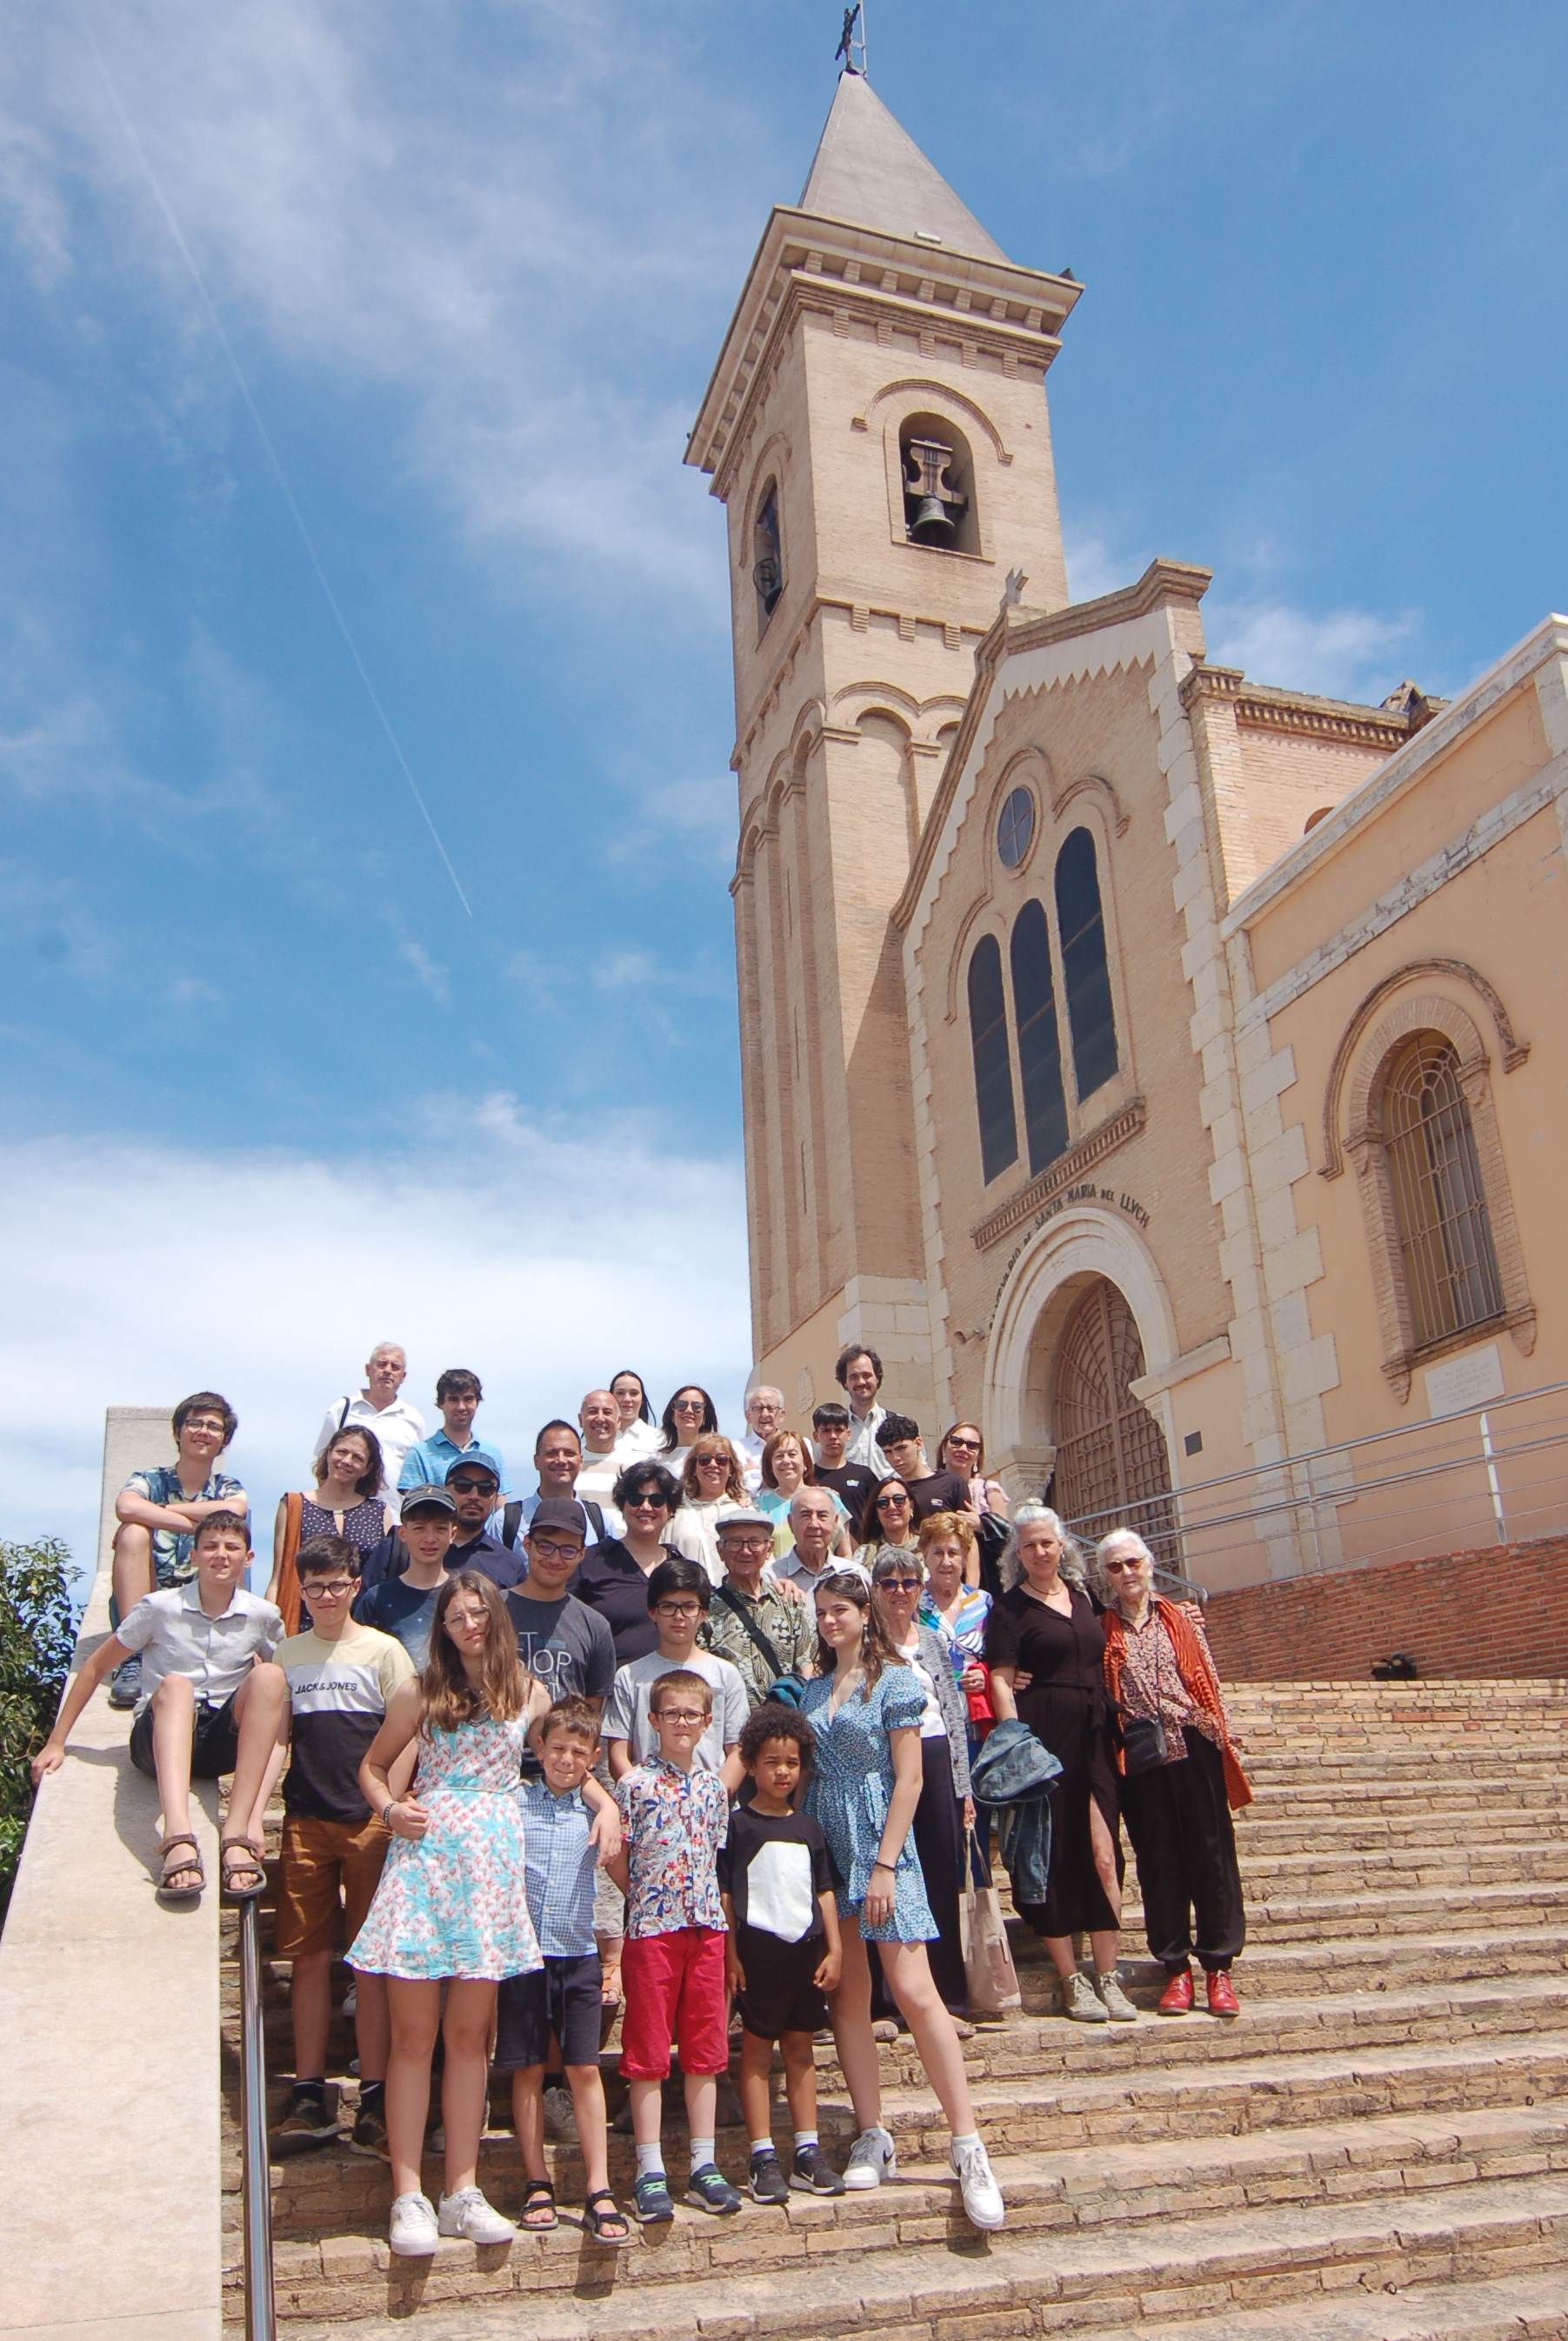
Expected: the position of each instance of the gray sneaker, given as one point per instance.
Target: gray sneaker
(560, 2117)
(872, 2158)
(1114, 1999)
(1081, 2001)
(125, 1682)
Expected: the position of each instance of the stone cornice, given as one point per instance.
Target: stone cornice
(1266, 709)
(1058, 1176)
(829, 266)
(1015, 630)
(862, 606)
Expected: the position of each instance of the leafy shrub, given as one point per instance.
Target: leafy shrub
(37, 1636)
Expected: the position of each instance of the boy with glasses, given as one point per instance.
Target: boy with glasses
(160, 1509)
(675, 1813)
(679, 1595)
(340, 1676)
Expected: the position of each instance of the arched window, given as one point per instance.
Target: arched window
(938, 485)
(993, 1072)
(1450, 1278)
(1091, 1018)
(1039, 1051)
(1111, 1464)
(766, 555)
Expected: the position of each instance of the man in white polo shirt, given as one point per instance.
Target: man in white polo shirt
(379, 1406)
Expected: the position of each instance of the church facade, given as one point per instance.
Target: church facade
(1157, 1067)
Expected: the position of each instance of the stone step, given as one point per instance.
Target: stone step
(1328, 1869)
(1262, 1832)
(1333, 1918)
(1307, 1800)
(1502, 2310)
(1097, 2189)
(944, 2286)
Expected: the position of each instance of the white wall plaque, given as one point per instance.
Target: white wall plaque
(1474, 1380)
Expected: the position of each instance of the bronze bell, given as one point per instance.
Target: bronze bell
(931, 524)
(936, 504)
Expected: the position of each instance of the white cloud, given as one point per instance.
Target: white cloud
(545, 1261)
(1344, 654)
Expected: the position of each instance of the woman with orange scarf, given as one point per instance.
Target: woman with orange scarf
(1183, 1775)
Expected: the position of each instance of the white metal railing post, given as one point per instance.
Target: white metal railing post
(260, 2311)
(1492, 1480)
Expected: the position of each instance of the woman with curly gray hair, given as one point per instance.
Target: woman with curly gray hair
(1045, 1627)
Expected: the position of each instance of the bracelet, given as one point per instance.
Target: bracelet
(885, 1865)
(391, 1806)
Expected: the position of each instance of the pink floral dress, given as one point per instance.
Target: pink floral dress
(456, 1904)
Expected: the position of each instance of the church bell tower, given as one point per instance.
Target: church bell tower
(877, 429)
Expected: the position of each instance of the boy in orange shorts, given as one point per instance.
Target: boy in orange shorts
(675, 1815)
(340, 1676)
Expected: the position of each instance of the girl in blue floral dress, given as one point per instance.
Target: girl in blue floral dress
(453, 1903)
(866, 1706)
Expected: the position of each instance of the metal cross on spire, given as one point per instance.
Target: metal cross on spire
(853, 37)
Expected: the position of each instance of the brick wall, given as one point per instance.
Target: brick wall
(1500, 1610)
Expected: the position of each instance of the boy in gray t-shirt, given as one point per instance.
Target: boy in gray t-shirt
(679, 1593)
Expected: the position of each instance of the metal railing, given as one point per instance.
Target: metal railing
(260, 2308)
(1487, 1475)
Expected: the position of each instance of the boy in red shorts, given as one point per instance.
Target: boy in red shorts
(676, 1819)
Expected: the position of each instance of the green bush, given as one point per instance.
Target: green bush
(37, 1636)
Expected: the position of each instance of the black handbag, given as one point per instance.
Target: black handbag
(1144, 1743)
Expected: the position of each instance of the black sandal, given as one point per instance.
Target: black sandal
(189, 1868)
(241, 1857)
(538, 2194)
(599, 2220)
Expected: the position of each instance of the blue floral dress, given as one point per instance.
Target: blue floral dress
(456, 1904)
(850, 1788)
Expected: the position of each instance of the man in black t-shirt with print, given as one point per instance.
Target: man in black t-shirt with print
(558, 1638)
(852, 1482)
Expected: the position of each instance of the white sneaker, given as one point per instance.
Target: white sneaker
(560, 2117)
(983, 2205)
(872, 2158)
(467, 2214)
(351, 2003)
(413, 2234)
(1114, 1999)
(1081, 2001)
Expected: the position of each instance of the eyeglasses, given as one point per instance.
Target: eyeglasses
(890, 1503)
(733, 1543)
(547, 1551)
(1115, 1568)
(898, 1584)
(204, 1423)
(648, 1499)
(335, 1588)
(677, 1610)
(679, 1715)
(473, 1487)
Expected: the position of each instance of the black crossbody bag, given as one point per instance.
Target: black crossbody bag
(754, 1631)
(1144, 1743)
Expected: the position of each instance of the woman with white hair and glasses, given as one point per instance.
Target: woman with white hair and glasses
(1182, 1776)
(1043, 1627)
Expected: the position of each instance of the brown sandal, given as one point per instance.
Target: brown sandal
(191, 1868)
(242, 1854)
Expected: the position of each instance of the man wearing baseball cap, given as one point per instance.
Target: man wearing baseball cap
(559, 1638)
(405, 1605)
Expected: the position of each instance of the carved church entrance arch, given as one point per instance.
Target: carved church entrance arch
(1083, 1312)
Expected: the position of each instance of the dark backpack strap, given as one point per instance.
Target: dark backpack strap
(755, 1631)
(508, 1524)
(342, 1414)
(595, 1515)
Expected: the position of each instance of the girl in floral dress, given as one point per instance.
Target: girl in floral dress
(453, 1904)
(865, 1708)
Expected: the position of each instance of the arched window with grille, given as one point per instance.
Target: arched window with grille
(1039, 1049)
(1091, 1017)
(993, 1068)
(1112, 1469)
(1445, 1247)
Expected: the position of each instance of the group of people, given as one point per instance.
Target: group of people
(678, 1735)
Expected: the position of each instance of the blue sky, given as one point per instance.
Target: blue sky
(272, 1092)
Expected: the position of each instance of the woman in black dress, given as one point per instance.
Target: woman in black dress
(1044, 1629)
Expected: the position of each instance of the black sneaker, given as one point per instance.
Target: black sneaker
(712, 2191)
(125, 1682)
(651, 2198)
(307, 2123)
(368, 2135)
(767, 2182)
(813, 2174)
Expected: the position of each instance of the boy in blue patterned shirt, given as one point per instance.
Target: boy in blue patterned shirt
(675, 1813)
(563, 1997)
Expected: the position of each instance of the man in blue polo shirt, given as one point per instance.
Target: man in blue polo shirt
(458, 1394)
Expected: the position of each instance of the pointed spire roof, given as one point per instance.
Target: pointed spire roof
(870, 172)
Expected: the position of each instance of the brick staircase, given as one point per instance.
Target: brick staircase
(1376, 2151)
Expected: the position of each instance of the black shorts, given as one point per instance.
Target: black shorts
(213, 1748)
(779, 1995)
(563, 1997)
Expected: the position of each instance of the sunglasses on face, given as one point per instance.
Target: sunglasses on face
(955, 1440)
(891, 1503)
(687, 1406)
(898, 1585)
(473, 1487)
(1115, 1568)
(649, 1499)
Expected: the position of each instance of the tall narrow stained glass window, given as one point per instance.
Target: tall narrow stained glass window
(993, 1070)
(1039, 1049)
(1445, 1246)
(1091, 1017)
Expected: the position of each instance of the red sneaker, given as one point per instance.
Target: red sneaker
(1222, 1998)
(1176, 1998)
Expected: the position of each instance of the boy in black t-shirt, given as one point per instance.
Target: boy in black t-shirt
(783, 1952)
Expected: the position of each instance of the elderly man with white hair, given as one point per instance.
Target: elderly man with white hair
(764, 1415)
(1182, 1775)
(379, 1406)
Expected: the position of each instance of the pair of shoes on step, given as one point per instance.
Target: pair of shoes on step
(1101, 2002)
(1176, 1999)
(874, 2158)
(417, 2226)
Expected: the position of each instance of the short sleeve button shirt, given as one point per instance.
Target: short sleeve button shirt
(677, 1824)
(172, 1549)
(562, 1869)
(177, 1637)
